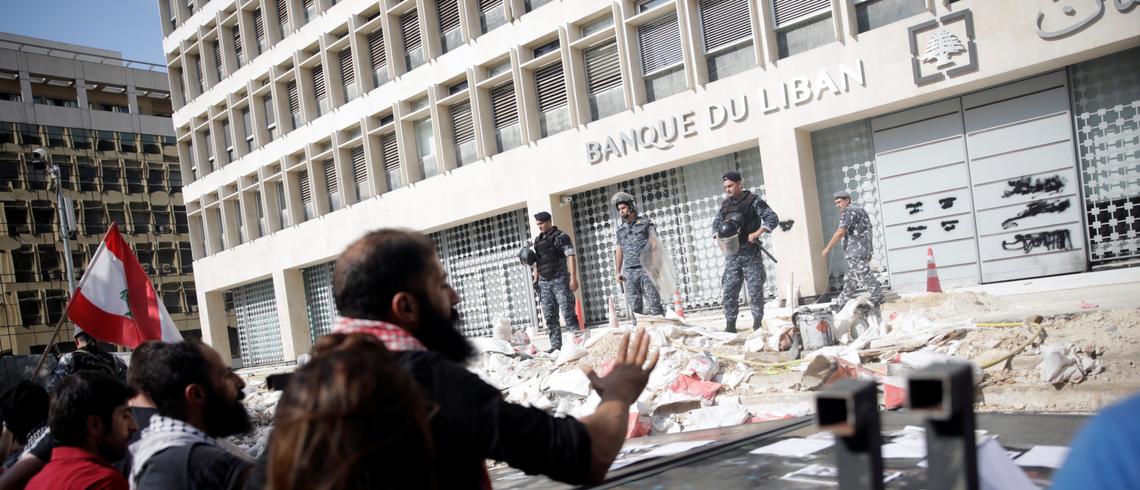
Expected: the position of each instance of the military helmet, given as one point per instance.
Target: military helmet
(623, 197)
(527, 256)
(728, 228)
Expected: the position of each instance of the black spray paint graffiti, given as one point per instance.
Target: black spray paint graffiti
(947, 202)
(949, 225)
(1026, 185)
(1051, 240)
(916, 231)
(1035, 208)
(914, 207)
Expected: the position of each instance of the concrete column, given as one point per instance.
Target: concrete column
(786, 160)
(289, 291)
(212, 315)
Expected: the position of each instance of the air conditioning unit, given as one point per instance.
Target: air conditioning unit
(165, 229)
(192, 308)
(166, 268)
(24, 229)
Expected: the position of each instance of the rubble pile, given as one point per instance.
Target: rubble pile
(708, 378)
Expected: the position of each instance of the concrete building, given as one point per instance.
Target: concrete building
(1000, 134)
(106, 123)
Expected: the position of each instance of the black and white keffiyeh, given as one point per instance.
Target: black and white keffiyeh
(34, 438)
(164, 433)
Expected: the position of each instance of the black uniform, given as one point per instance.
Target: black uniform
(554, 292)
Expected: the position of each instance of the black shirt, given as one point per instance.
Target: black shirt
(195, 466)
(475, 423)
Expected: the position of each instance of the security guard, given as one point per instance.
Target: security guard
(745, 216)
(557, 277)
(855, 230)
(632, 238)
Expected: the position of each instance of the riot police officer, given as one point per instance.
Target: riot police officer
(557, 277)
(855, 230)
(746, 217)
(632, 238)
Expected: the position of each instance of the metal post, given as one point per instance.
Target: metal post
(64, 231)
(850, 410)
(945, 394)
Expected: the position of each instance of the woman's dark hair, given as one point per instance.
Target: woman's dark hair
(376, 267)
(351, 418)
(80, 395)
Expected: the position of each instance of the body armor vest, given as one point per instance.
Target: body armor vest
(551, 260)
(744, 206)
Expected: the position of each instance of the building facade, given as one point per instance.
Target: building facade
(999, 134)
(106, 123)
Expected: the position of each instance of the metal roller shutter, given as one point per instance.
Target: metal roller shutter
(485, 5)
(237, 43)
(603, 71)
(201, 73)
(359, 166)
(330, 177)
(258, 26)
(461, 123)
(504, 112)
(319, 82)
(551, 87)
(306, 192)
(283, 17)
(660, 42)
(785, 11)
(294, 100)
(391, 150)
(218, 58)
(724, 22)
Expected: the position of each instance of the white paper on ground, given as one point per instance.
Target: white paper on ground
(1044, 457)
(795, 447)
(907, 449)
(572, 382)
(676, 448)
(997, 472)
(717, 416)
(826, 475)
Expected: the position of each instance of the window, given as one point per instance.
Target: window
(174, 176)
(88, 181)
(199, 72)
(154, 177)
(413, 52)
(50, 269)
(180, 225)
(111, 175)
(134, 175)
(294, 104)
(247, 127)
(145, 254)
(390, 148)
(80, 139)
(662, 58)
(348, 75)
(43, 216)
(16, 217)
(283, 204)
(259, 31)
(306, 195)
(801, 25)
(603, 80)
(162, 224)
(30, 311)
(360, 173)
(728, 37)
(533, 4)
(463, 129)
(239, 54)
(872, 14)
(332, 187)
(228, 141)
(116, 213)
(94, 222)
(448, 11)
(208, 142)
(505, 117)
(554, 112)
(172, 297)
(150, 144)
(425, 145)
(319, 93)
(185, 258)
(283, 18)
(262, 227)
(24, 263)
(54, 302)
(140, 218)
(105, 141)
(30, 134)
(55, 137)
(378, 58)
(270, 117)
(218, 72)
(310, 9)
(491, 14)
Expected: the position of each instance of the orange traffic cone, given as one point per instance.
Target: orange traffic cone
(933, 285)
(613, 313)
(677, 307)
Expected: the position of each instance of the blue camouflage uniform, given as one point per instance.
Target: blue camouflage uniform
(857, 249)
(554, 292)
(632, 239)
(746, 266)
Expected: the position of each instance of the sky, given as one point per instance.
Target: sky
(128, 26)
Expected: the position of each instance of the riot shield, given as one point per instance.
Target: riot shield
(657, 264)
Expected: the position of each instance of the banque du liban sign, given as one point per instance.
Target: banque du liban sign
(788, 94)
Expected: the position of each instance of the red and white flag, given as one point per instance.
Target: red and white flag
(115, 301)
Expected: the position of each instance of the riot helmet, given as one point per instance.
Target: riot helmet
(527, 256)
(623, 197)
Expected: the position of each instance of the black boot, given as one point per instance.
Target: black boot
(730, 328)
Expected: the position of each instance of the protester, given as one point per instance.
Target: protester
(25, 408)
(391, 284)
(351, 418)
(1103, 454)
(88, 356)
(91, 425)
(198, 402)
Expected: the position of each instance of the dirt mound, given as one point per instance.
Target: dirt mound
(943, 306)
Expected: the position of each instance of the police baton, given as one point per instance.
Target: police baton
(762, 249)
(628, 305)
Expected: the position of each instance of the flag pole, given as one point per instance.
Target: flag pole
(63, 315)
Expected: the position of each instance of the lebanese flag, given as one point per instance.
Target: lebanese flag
(115, 301)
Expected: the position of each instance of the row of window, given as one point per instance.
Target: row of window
(84, 139)
(83, 174)
(44, 262)
(94, 217)
(100, 96)
(45, 306)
